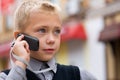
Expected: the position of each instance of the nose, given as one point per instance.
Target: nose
(50, 39)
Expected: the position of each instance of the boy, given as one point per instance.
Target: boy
(39, 19)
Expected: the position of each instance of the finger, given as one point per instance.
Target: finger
(26, 46)
(20, 37)
(25, 43)
(12, 44)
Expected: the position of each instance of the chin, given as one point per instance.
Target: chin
(42, 57)
(47, 58)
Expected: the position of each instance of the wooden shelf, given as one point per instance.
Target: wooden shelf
(110, 33)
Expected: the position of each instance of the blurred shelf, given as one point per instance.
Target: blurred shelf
(110, 33)
(108, 9)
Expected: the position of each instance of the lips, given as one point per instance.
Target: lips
(49, 50)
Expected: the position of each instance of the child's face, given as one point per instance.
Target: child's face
(46, 27)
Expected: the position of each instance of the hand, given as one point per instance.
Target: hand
(21, 49)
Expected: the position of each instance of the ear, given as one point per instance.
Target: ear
(15, 34)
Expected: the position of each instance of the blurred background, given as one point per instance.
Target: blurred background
(90, 35)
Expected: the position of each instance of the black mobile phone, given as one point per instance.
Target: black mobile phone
(33, 42)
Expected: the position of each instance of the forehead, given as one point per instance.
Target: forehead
(44, 18)
(37, 19)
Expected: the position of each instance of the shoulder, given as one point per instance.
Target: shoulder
(85, 75)
(68, 72)
(6, 71)
(3, 74)
(68, 68)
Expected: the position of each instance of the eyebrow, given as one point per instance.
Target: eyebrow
(58, 27)
(43, 26)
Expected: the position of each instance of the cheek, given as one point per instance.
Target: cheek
(42, 38)
(58, 46)
(41, 42)
(58, 43)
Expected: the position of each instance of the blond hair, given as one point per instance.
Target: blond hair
(26, 7)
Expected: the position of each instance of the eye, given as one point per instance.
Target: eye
(57, 31)
(42, 30)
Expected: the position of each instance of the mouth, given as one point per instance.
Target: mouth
(49, 51)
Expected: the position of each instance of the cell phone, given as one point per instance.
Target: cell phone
(33, 42)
